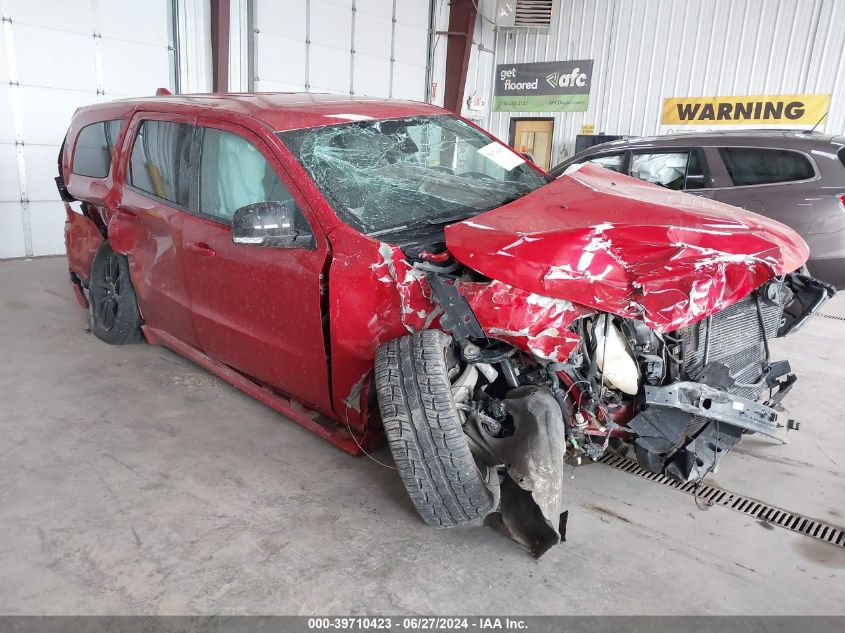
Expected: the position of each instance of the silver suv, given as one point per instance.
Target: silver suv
(797, 178)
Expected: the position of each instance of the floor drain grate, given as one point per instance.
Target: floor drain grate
(747, 505)
(832, 316)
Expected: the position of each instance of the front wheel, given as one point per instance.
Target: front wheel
(424, 431)
(115, 318)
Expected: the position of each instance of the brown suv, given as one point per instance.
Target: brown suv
(797, 178)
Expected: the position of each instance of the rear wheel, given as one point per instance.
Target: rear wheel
(115, 318)
(424, 431)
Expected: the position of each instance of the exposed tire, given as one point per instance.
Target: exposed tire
(115, 318)
(424, 431)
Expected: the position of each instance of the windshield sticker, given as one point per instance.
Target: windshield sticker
(501, 155)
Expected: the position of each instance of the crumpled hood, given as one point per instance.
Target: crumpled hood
(620, 245)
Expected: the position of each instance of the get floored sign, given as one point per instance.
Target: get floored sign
(797, 111)
(543, 87)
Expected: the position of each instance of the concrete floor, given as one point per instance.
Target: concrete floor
(132, 481)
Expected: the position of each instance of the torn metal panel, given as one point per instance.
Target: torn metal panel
(532, 505)
(808, 295)
(82, 240)
(353, 400)
(375, 295)
(536, 324)
(616, 244)
(706, 402)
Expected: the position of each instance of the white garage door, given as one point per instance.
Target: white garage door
(363, 47)
(57, 55)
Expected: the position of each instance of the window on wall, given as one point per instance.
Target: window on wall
(95, 148)
(234, 174)
(613, 162)
(159, 162)
(673, 170)
(758, 166)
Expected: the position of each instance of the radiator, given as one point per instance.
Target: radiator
(736, 340)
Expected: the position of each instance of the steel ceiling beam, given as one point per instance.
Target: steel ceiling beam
(220, 45)
(462, 14)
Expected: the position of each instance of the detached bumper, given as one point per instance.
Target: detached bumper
(687, 427)
(709, 403)
(78, 291)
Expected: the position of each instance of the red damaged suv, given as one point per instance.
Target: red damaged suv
(377, 268)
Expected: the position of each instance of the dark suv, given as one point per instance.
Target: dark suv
(797, 178)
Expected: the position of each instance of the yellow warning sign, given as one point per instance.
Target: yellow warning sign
(789, 110)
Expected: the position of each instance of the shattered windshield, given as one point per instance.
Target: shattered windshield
(384, 176)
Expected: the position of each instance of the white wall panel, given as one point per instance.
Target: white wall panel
(282, 18)
(375, 7)
(62, 15)
(328, 69)
(54, 59)
(41, 169)
(47, 113)
(331, 45)
(410, 40)
(408, 81)
(308, 45)
(372, 76)
(9, 189)
(48, 221)
(372, 35)
(331, 24)
(4, 68)
(412, 12)
(55, 45)
(144, 22)
(11, 230)
(149, 64)
(279, 60)
(7, 127)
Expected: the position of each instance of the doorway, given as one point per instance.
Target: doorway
(533, 136)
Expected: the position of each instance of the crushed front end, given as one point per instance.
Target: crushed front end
(603, 314)
(542, 382)
(600, 313)
(684, 398)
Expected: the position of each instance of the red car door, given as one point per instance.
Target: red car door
(257, 309)
(148, 222)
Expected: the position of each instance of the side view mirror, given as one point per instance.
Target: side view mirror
(271, 224)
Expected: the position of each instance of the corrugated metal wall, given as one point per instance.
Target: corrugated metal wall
(646, 50)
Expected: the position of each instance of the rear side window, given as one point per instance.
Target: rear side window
(842, 156)
(95, 148)
(159, 163)
(673, 170)
(613, 162)
(756, 166)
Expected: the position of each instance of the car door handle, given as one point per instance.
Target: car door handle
(201, 248)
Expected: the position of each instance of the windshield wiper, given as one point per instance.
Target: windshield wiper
(440, 220)
(449, 218)
(423, 222)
